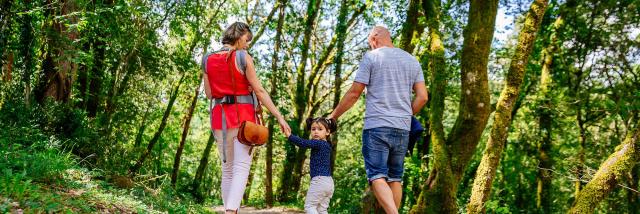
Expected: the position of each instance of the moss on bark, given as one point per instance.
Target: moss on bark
(611, 172)
(502, 119)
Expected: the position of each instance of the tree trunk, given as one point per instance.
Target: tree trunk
(83, 77)
(545, 162)
(58, 77)
(134, 169)
(112, 94)
(409, 26)
(268, 183)
(8, 68)
(97, 71)
(293, 156)
(157, 157)
(143, 127)
(545, 121)
(474, 104)
(26, 40)
(204, 160)
(502, 119)
(633, 197)
(452, 155)
(264, 25)
(185, 133)
(96, 76)
(6, 21)
(300, 158)
(369, 203)
(247, 191)
(438, 80)
(581, 151)
(274, 92)
(611, 172)
(341, 32)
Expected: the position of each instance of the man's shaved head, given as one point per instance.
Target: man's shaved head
(380, 32)
(379, 37)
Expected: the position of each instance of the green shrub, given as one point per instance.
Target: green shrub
(15, 185)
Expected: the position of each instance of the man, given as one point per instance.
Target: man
(389, 74)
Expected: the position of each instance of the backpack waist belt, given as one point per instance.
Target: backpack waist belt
(228, 99)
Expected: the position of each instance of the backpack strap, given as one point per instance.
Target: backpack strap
(241, 61)
(203, 64)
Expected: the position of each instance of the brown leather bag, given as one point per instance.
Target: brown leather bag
(250, 133)
(253, 134)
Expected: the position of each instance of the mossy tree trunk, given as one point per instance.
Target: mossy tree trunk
(409, 27)
(431, 194)
(611, 172)
(290, 182)
(275, 74)
(247, 191)
(341, 32)
(452, 154)
(545, 121)
(502, 119)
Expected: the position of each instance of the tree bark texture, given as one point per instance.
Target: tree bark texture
(452, 155)
(611, 172)
(481, 190)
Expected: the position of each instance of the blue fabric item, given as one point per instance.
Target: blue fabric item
(416, 126)
(320, 164)
(414, 134)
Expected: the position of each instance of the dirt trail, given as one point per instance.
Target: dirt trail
(253, 210)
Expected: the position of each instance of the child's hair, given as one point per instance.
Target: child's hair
(329, 124)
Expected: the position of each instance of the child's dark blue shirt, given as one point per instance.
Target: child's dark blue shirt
(320, 164)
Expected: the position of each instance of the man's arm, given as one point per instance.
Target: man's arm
(421, 97)
(350, 98)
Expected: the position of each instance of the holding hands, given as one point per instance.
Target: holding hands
(284, 126)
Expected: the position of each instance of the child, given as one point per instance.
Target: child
(321, 185)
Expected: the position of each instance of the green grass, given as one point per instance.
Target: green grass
(41, 170)
(37, 179)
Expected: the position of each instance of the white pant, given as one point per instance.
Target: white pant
(319, 195)
(235, 171)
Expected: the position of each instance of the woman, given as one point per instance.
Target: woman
(230, 77)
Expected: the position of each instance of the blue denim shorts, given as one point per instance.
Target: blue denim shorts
(384, 150)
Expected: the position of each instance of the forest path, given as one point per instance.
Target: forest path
(253, 210)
